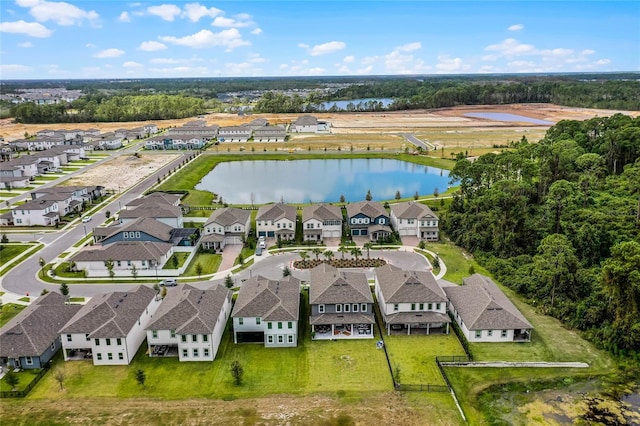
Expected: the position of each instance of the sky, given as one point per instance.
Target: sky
(41, 39)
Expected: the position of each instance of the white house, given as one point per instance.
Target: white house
(269, 134)
(110, 327)
(228, 225)
(277, 221)
(309, 124)
(411, 301)
(189, 323)
(36, 212)
(125, 255)
(267, 311)
(320, 221)
(414, 219)
(485, 314)
(234, 134)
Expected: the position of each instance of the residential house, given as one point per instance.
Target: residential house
(485, 314)
(110, 328)
(144, 255)
(189, 323)
(309, 124)
(269, 134)
(146, 229)
(368, 218)
(277, 221)
(175, 141)
(150, 128)
(341, 304)
(27, 164)
(108, 141)
(200, 130)
(158, 205)
(234, 134)
(31, 338)
(10, 182)
(228, 225)
(69, 198)
(415, 219)
(320, 221)
(36, 212)
(411, 301)
(267, 311)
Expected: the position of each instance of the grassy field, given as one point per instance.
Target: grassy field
(474, 139)
(24, 376)
(9, 311)
(457, 260)
(210, 264)
(11, 251)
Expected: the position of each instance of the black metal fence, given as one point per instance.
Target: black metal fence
(26, 390)
(421, 388)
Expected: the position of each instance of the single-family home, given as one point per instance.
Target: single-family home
(234, 134)
(277, 221)
(110, 328)
(484, 313)
(269, 134)
(36, 212)
(320, 221)
(309, 124)
(124, 256)
(155, 198)
(189, 323)
(228, 225)
(27, 164)
(414, 219)
(150, 128)
(341, 304)
(10, 182)
(193, 129)
(411, 301)
(168, 214)
(267, 311)
(368, 218)
(146, 229)
(31, 338)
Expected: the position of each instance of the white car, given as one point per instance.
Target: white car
(263, 244)
(86, 219)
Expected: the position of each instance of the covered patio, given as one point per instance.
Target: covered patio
(163, 351)
(78, 354)
(342, 326)
(417, 323)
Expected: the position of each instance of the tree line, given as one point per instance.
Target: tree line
(559, 222)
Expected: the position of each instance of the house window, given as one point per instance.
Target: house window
(354, 308)
(363, 307)
(395, 307)
(422, 306)
(257, 321)
(184, 338)
(270, 339)
(118, 341)
(185, 353)
(154, 334)
(194, 338)
(240, 321)
(478, 334)
(118, 263)
(338, 308)
(489, 333)
(108, 342)
(437, 306)
(290, 325)
(503, 333)
(290, 338)
(128, 263)
(110, 356)
(99, 357)
(125, 235)
(86, 336)
(28, 360)
(173, 333)
(195, 353)
(278, 226)
(347, 308)
(269, 325)
(120, 356)
(68, 337)
(205, 352)
(97, 342)
(321, 309)
(280, 338)
(137, 234)
(205, 338)
(382, 221)
(279, 325)
(413, 306)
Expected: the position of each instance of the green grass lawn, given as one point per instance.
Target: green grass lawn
(24, 376)
(9, 311)
(11, 251)
(173, 264)
(76, 300)
(198, 213)
(62, 270)
(210, 264)
(457, 261)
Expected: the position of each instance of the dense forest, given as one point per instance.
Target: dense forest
(559, 222)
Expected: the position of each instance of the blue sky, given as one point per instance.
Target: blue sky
(43, 39)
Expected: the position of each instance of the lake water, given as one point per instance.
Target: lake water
(303, 181)
(502, 116)
(343, 104)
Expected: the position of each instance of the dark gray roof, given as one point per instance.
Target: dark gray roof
(147, 225)
(368, 208)
(36, 204)
(124, 250)
(270, 131)
(189, 310)
(151, 210)
(111, 314)
(328, 285)
(228, 216)
(157, 198)
(321, 212)
(34, 329)
(271, 300)
(483, 306)
(277, 212)
(306, 120)
(398, 286)
(345, 318)
(417, 318)
(412, 210)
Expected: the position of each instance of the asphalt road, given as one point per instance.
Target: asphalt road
(417, 142)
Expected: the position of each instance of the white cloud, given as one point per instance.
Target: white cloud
(195, 11)
(90, 45)
(166, 61)
(587, 52)
(168, 12)
(183, 71)
(349, 59)
(323, 49)
(26, 44)
(490, 57)
(223, 22)
(230, 39)
(516, 27)
(409, 47)
(6, 69)
(152, 46)
(132, 64)
(511, 47)
(124, 17)
(32, 29)
(400, 61)
(603, 62)
(242, 69)
(256, 31)
(301, 68)
(109, 53)
(256, 58)
(59, 12)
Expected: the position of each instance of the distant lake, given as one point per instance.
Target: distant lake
(502, 116)
(303, 181)
(343, 104)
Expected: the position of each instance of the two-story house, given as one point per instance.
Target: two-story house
(228, 225)
(269, 134)
(320, 221)
(189, 323)
(309, 124)
(341, 304)
(110, 328)
(415, 219)
(124, 256)
(158, 205)
(234, 134)
(267, 311)
(36, 212)
(411, 301)
(277, 221)
(368, 218)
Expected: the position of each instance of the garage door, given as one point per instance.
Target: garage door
(355, 232)
(271, 234)
(406, 232)
(233, 240)
(262, 234)
(334, 234)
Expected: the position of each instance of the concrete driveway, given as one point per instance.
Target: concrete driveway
(229, 256)
(408, 240)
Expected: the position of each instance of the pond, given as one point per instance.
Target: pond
(503, 116)
(342, 105)
(304, 181)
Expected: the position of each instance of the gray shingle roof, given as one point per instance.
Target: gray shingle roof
(147, 225)
(412, 210)
(157, 197)
(345, 318)
(111, 314)
(34, 329)
(151, 210)
(189, 310)
(277, 212)
(272, 300)
(368, 208)
(398, 286)
(483, 306)
(321, 212)
(328, 285)
(36, 204)
(417, 318)
(306, 120)
(228, 216)
(124, 250)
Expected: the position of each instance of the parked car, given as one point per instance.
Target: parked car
(262, 244)
(86, 219)
(169, 282)
(258, 251)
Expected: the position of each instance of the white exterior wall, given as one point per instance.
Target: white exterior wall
(404, 227)
(496, 335)
(248, 325)
(310, 224)
(272, 226)
(272, 336)
(78, 341)
(164, 338)
(200, 345)
(33, 217)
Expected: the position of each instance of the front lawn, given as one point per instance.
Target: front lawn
(176, 260)
(209, 262)
(11, 251)
(9, 311)
(457, 260)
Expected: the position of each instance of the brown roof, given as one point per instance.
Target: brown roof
(321, 212)
(277, 212)
(32, 331)
(189, 310)
(368, 208)
(124, 250)
(228, 216)
(398, 286)
(111, 314)
(328, 285)
(271, 300)
(412, 210)
(483, 306)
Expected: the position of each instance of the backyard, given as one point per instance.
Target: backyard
(9, 311)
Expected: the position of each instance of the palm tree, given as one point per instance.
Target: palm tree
(317, 252)
(355, 252)
(304, 255)
(367, 246)
(343, 250)
(328, 255)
